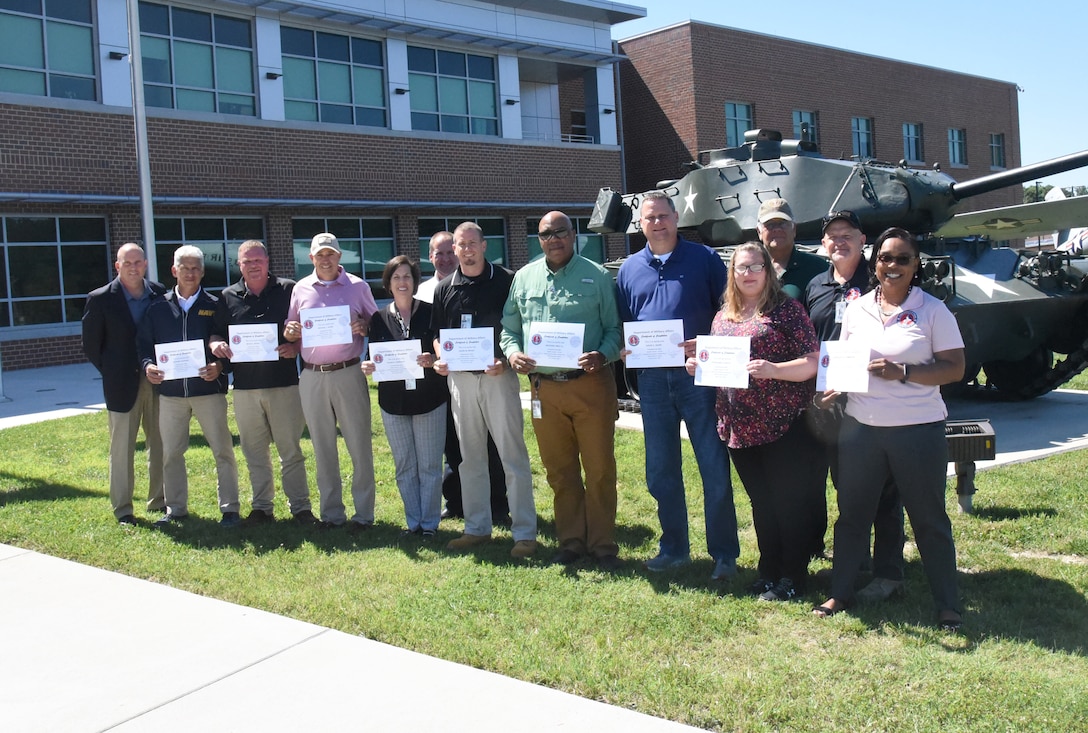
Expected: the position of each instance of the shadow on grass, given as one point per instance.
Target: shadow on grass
(31, 489)
(1005, 514)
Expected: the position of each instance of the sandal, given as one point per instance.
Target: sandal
(826, 611)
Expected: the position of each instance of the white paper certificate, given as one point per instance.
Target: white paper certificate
(722, 361)
(654, 343)
(467, 349)
(395, 361)
(555, 344)
(180, 359)
(253, 342)
(844, 367)
(329, 326)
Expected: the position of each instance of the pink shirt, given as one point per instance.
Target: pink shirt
(346, 289)
(923, 327)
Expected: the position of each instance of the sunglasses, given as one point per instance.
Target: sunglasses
(549, 234)
(901, 260)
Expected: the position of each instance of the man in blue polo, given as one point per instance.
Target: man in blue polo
(672, 278)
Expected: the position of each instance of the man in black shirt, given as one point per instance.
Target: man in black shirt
(267, 407)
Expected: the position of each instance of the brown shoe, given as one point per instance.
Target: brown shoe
(466, 541)
(523, 549)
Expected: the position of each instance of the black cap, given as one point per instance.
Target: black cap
(849, 216)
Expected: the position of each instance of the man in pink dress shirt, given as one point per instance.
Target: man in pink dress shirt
(332, 386)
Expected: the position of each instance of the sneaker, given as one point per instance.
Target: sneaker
(258, 516)
(761, 586)
(783, 590)
(724, 569)
(428, 534)
(523, 549)
(667, 562)
(880, 589)
(304, 517)
(230, 520)
(466, 541)
(127, 519)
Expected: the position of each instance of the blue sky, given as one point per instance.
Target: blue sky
(1040, 46)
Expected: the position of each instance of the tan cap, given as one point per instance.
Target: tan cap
(774, 209)
(323, 241)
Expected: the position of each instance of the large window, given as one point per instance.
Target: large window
(806, 119)
(588, 244)
(218, 238)
(957, 146)
(494, 237)
(738, 120)
(48, 264)
(48, 51)
(198, 61)
(997, 150)
(861, 135)
(913, 152)
(333, 78)
(365, 245)
(452, 92)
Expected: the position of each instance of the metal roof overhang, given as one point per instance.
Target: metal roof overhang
(74, 199)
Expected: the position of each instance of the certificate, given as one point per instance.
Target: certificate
(467, 349)
(654, 343)
(180, 359)
(253, 342)
(722, 361)
(555, 344)
(844, 367)
(395, 361)
(329, 326)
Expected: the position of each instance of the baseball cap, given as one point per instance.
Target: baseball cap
(848, 216)
(774, 209)
(323, 241)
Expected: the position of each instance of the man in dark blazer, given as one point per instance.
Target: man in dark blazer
(109, 340)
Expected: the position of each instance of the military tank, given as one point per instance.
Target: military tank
(1017, 308)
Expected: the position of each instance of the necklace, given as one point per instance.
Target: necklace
(881, 302)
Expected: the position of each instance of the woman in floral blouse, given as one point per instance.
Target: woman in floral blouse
(776, 457)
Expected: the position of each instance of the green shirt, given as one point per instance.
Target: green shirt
(802, 267)
(580, 292)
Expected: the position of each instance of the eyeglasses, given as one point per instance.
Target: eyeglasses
(776, 224)
(549, 234)
(901, 260)
(745, 269)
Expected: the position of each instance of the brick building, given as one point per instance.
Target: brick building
(695, 86)
(381, 122)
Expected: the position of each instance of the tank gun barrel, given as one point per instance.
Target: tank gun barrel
(1004, 179)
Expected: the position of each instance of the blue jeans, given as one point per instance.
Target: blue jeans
(669, 395)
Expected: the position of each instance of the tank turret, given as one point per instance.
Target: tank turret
(1016, 308)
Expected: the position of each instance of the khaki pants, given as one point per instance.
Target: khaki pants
(272, 415)
(175, 413)
(124, 428)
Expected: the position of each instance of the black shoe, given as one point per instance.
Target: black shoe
(503, 520)
(761, 586)
(258, 516)
(610, 563)
(357, 527)
(783, 590)
(304, 517)
(166, 520)
(230, 520)
(428, 534)
(127, 519)
(565, 557)
(408, 533)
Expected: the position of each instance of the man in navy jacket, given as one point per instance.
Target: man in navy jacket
(110, 318)
(187, 313)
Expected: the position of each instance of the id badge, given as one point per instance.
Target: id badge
(466, 320)
(840, 309)
(409, 384)
(537, 409)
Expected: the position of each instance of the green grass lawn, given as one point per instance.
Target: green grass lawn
(674, 645)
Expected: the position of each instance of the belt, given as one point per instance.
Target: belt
(564, 376)
(334, 367)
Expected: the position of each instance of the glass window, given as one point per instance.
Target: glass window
(738, 120)
(861, 134)
(452, 92)
(805, 121)
(997, 150)
(913, 152)
(957, 146)
(365, 244)
(47, 51)
(48, 265)
(589, 244)
(329, 77)
(494, 229)
(197, 60)
(218, 238)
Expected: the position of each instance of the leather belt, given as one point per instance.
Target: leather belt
(334, 367)
(564, 376)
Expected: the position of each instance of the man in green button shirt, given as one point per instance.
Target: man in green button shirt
(574, 410)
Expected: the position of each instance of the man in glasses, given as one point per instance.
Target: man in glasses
(672, 278)
(267, 406)
(776, 229)
(574, 409)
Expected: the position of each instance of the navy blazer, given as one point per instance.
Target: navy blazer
(109, 341)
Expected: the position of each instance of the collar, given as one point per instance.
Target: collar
(460, 278)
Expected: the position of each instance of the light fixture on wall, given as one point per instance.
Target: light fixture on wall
(511, 102)
(400, 90)
(608, 111)
(273, 75)
(118, 55)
